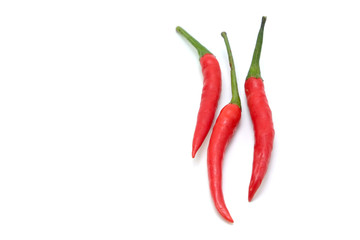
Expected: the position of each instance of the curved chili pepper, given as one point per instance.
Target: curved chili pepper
(261, 117)
(210, 92)
(223, 130)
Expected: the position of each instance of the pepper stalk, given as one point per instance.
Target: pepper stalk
(255, 66)
(199, 47)
(234, 87)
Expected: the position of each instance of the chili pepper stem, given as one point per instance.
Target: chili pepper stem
(234, 87)
(255, 66)
(199, 47)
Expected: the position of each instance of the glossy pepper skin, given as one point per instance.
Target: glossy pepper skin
(223, 131)
(210, 92)
(261, 117)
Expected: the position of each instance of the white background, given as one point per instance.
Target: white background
(98, 104)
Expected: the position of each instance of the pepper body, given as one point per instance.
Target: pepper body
(261, 117)
(223, 130)
(209, 99)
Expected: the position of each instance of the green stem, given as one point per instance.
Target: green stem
(234, 87)
(255, 67)
(199, 47)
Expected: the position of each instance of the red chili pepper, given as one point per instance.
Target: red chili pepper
(210, 92)
(261, 117)
(223, 130)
